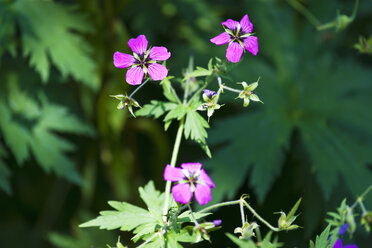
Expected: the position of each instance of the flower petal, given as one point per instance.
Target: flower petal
(217, 222)
(251, 44)
(159, 53)
(203, 176)
(191, 167)
(138, 45)
(134, 75)
(221, 39)
(173, 174)
(182, 193)
(157, 71)
(246, 25)
(230, 24)
(338, 244)
(234, 52)
(202, 194)
(343, 229)
(351, 246)
(123, 60)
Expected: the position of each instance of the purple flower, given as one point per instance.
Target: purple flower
(343, 229)
(143, 61)
(239, 36)
(191, 179)
(217, 222)
(338, 244)
(209, 93)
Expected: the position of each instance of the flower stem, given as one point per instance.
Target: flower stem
(275, 229)
(139, 87)
(229, 203)
(226, 87)
(305, 12)
(189, 69)
(221, 204)
(366, 192)
(361, 197)
(192, 215)
(242, 212)
(176, 148)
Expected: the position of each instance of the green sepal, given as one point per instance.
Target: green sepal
(366, 221)
(246, 101)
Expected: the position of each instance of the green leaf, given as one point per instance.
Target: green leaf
(155, 109)
(50, 35)
(29, 127)
(246, 138)
(7, 31)
(195, 126)
(16, 137)
(322, 240)
(125, 216)
(186, 216)
(176, 113)
(199, 72)
(4, 173)
(241, 243)
(153, 198)
(168, 90)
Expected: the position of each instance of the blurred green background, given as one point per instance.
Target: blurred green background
(65, 150)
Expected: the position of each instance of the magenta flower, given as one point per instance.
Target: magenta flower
(338, 244)
(143, 61)
(239, 36)
(191, 179)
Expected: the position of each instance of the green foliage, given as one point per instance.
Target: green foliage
(322, 240)
(195, 128)
(29, 126)
(285, 221)
(307, 91)
(4, 172)
(147, 224)
(82, 238)
(364, 45)
(155, 109)
(48, 32)
(266, 242)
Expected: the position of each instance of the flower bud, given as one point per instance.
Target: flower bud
(246, 231)
(285, 221)
(350, 219)
(366, 220)
(341, 22)
(126, 101)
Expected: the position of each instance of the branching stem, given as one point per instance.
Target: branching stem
(176, 148)
(243, 202)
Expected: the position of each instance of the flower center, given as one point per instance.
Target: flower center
(142, 59)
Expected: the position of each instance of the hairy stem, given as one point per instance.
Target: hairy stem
(366, 192)
(229, 203)
(221, 204)
(361, 197)
(189, 69)
(305, 12)
(192, 215)
(176, 148)
(226, 87)
(275, 229)
(139, 87)
(242, 212)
